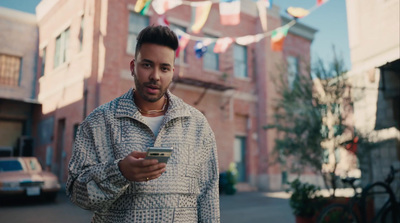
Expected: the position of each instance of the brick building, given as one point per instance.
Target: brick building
(85, 48)
(18, 102)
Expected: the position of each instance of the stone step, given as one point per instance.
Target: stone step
(245, 187)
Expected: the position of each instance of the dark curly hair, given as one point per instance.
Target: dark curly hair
(161, 35)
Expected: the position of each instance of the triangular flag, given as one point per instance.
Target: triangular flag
(262, 13)
(278, 37)
(145, 8)
(183, 41)
(200, 11)
(222, 44)
(229, 11)
(161, 6)
(297, 12)
(162, 21)
(140, 4)
(320, 2)
(246, 40)
(200, 48)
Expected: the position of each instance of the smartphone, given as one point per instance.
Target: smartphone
(161, 154)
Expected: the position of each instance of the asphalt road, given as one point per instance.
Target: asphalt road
(244, 207)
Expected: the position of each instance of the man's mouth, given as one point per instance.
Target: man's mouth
(152, 89)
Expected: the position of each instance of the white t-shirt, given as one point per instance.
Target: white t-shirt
(154, 123)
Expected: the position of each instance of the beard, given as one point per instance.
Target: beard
(140, 89)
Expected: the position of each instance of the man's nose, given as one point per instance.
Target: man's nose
(155, 75)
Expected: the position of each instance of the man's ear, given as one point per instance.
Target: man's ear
(132, 66)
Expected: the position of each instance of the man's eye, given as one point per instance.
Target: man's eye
(165, 69)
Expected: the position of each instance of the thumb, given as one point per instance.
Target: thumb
(138, 154)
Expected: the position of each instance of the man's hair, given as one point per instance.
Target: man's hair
(161, 35)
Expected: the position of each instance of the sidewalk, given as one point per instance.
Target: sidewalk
(256, 207)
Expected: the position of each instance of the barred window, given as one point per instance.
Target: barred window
(137, 22)
(10, 67)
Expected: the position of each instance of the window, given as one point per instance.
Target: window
(81, 33)
(292, 69)
(60, 55)
(184, 52)
(240, 61)
(211, 59)
(43, 61)
(10, 67)
(137, 22)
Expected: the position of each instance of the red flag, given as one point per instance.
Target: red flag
(183, 41)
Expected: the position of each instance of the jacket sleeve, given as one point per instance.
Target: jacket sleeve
(208, 201)
(94, 181)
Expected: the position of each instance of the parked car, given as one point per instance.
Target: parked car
(23, 176)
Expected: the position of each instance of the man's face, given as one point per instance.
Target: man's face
(153, 70)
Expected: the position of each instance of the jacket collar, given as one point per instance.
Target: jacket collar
(126, 107)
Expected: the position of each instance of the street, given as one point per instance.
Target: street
(243, 207)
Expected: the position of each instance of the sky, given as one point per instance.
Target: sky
(329, 19)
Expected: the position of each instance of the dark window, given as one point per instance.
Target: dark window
(43, 61)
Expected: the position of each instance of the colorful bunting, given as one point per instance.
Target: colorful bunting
(297, 12)
(161, 6)
(278, 37)
(183, 41)
(320, 2)
(222, 44)
(229, 11)
(141, 5)
(200, 49)
(200, 11)
(262, 13)
(246, 40)
(162, 21)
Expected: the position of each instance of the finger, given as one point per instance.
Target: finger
(154, 167)
(138, 154)
(153, 177)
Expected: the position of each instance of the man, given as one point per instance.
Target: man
(107, 171)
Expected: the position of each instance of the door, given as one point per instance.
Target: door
(59, 164)
(240, 157)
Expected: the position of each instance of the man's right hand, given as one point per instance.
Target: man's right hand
(135, 168)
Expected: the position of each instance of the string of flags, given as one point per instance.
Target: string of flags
(229, 11)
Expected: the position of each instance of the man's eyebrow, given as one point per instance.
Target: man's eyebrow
(150, 61)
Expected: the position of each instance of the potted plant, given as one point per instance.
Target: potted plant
(304, 201)
(228, 180)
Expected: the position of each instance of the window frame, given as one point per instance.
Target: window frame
(60, 52)
(133, 32)
(240, 61)
(209, 53)
(10, 75)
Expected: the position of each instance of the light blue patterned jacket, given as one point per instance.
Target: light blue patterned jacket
(186, 192)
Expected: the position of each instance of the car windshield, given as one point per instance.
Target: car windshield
(10, 165)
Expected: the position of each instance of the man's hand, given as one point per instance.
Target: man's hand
(134, 168)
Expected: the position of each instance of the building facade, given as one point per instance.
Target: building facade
(374, 39)
(18, 102)
(85, 49)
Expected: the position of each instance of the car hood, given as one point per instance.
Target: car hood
(18, 176)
